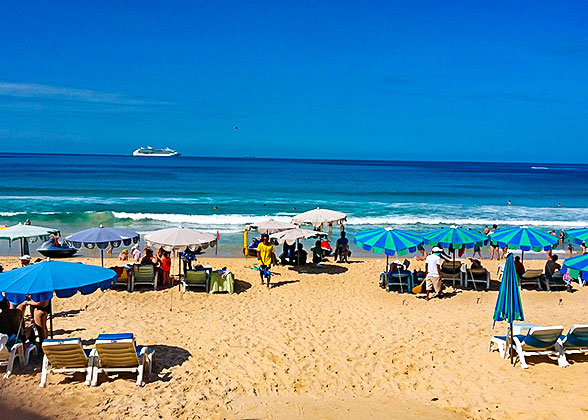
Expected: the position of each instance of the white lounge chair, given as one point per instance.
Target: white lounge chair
(576, 340)
(540, 341)
(65, 356)
(118, 353)
(476, 275)
(18, 350)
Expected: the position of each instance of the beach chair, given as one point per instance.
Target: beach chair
(402, 279)
(9, 355)
(576, 340)
(66, 356)
(144, 275)
(451, 271)
(540, 341)
(197, 278)
(116, 353)
(532, 277)
(475, 275)
(555, 281)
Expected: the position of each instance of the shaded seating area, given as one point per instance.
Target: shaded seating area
(197, 279)
(531, 277)
(476, 274)
(398, 277)
(451, 271)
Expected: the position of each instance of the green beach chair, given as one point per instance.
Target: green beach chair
(197, 278)
(144, 275)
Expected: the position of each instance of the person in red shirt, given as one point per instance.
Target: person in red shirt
(165, 269)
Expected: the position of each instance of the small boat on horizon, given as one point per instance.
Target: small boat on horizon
(150, 151)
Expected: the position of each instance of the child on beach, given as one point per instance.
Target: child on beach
(165, 269)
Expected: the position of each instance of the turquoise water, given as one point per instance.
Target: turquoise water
(73, 192)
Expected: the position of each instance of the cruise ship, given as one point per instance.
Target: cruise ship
(150, 151)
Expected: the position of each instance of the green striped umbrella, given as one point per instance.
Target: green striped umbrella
(455, 236)
(578, 235)
(387, 241)
(576, 265)
(508, 305)
(524, 238)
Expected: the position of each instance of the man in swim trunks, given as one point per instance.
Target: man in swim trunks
(266, 256)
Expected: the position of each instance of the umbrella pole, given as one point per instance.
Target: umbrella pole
(51, 320)
(522, 256)
(297, 253)
(102, 257)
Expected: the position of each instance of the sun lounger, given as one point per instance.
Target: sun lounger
(144, 275)
(540, 341)
(118, 353)
(197, 278)
(18, 350)
(65, 356)
(532, 277)
(576, 340)
(451, 271)
(402, 279)
(475, 275)
(555, 281)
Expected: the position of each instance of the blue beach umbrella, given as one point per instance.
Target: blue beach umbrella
(41, 280)
(576, 265)
(387, 241)
(102, 238)
(508, 305)
(578, 235)
(455, 236)
(524, 238)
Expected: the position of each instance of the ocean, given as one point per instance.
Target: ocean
(74, 192)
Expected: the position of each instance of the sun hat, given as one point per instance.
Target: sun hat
(125, 251)
(437, 249)
(25, 258)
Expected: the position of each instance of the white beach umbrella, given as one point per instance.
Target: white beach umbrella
(25, 232)
(273, 226)
(319, 217)
(180, 238)
(291, 236)
(21, 231)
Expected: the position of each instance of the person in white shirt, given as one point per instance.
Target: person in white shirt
(433, 269)
(137, 253)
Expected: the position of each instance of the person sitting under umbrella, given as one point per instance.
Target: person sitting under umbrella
(40, 312)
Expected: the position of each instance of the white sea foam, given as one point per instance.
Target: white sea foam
(539, 167)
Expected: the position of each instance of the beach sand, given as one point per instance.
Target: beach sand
(322, 343)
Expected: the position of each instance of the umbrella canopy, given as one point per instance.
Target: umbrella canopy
(524, 238)
(455, 236)
(102, 238)
(578, 235)
(508, 305)
(576, 265)
(273, 226)
(180, 238)
(388, 241)
(21, 231)
(319, 217)
(290, 236)
(42, 279)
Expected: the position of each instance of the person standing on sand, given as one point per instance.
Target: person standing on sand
(433, 269)
(494, 245)
(266, 257)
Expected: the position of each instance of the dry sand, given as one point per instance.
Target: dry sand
(314, 346)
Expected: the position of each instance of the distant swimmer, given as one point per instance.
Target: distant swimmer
(236, 128)
(558, 204)
(509, 203)
(215, 207)
(293, 208)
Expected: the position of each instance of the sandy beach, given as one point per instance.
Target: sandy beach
(321, 343)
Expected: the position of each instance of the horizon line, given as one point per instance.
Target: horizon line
(284, 159)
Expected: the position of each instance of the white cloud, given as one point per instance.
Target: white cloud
(60, 93)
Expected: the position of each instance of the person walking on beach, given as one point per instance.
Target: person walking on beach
(494, 245)
(136, 253)
(433, 269)
(266, 257)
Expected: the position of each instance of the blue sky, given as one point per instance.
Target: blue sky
(329, 79)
